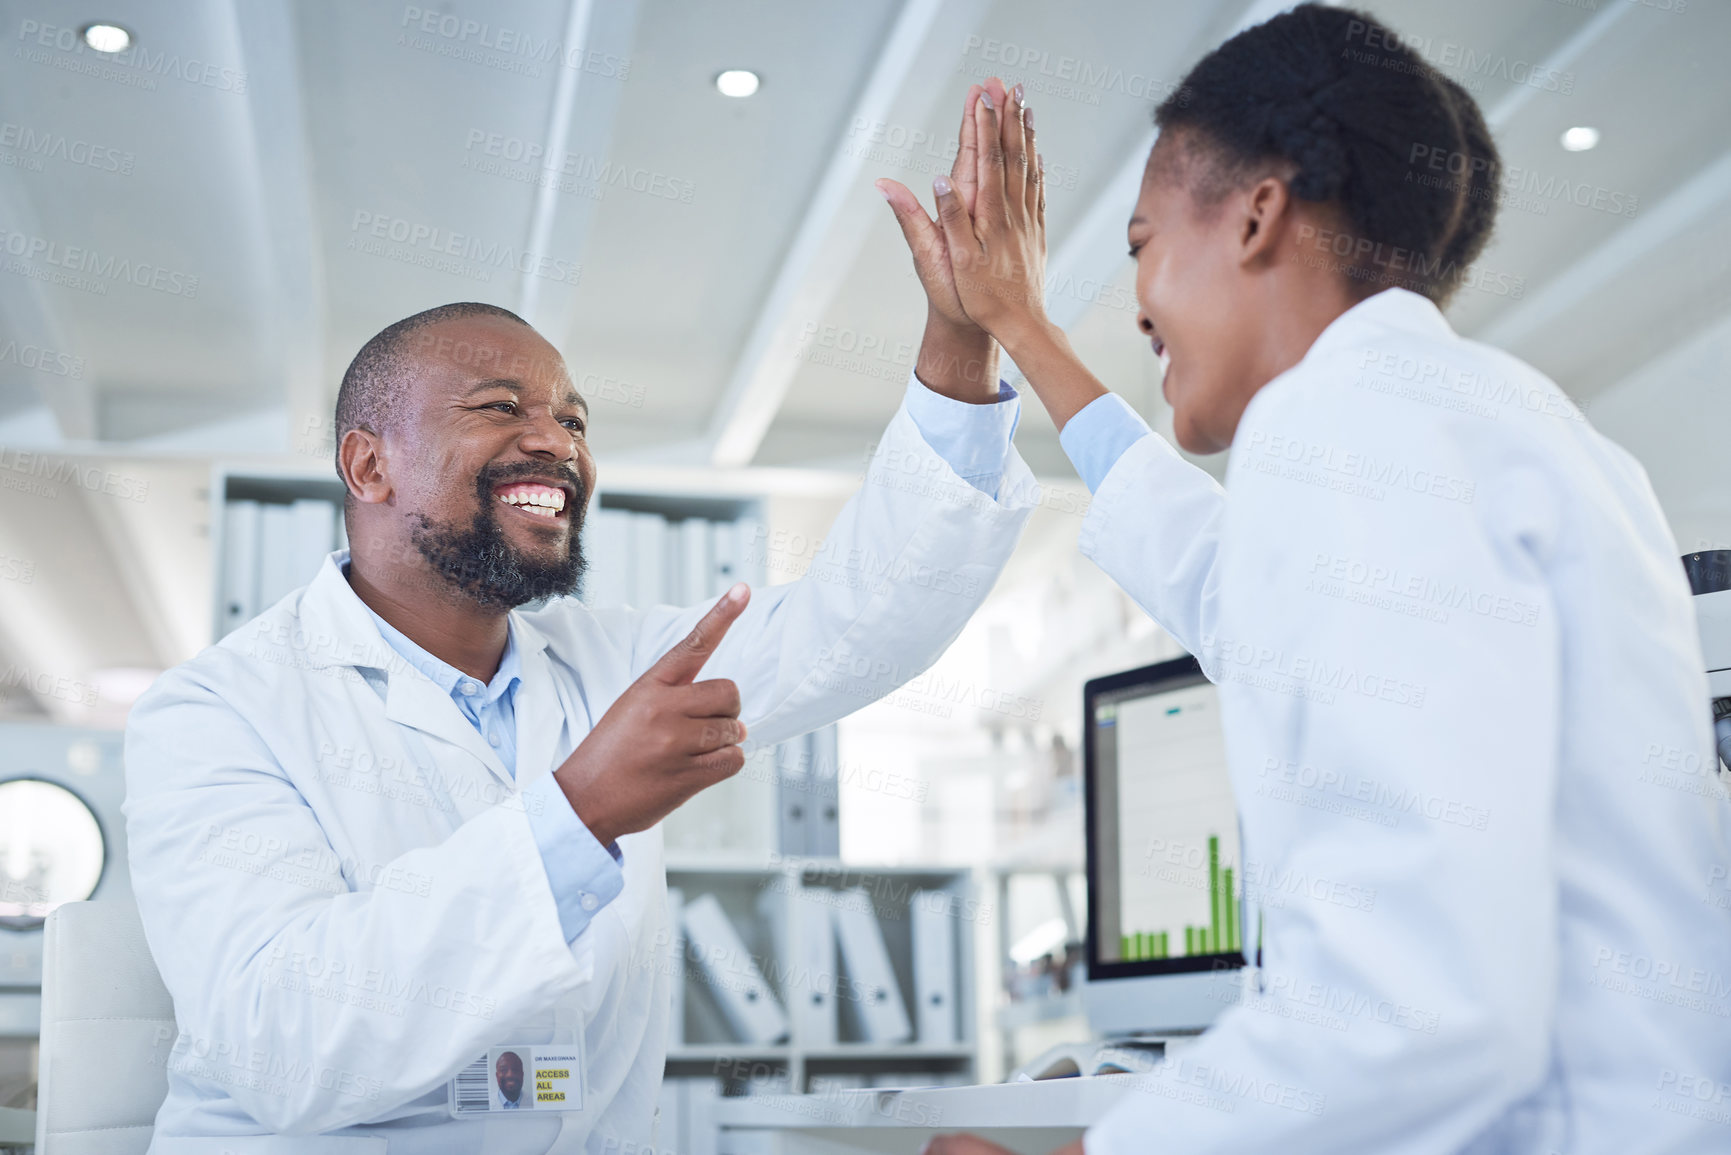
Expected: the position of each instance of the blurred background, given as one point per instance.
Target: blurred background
(199, 229)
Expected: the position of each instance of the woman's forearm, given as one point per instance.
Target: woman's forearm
(1063, 384)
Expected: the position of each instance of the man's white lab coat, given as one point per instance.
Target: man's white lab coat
(1467, 726)
(338, 879)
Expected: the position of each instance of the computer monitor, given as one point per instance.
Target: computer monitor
(1165, 882)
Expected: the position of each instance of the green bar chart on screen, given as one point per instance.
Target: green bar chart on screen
(1221, 934)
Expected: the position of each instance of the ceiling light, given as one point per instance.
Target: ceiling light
(736, 82)
(1580, 138)
(107, 37)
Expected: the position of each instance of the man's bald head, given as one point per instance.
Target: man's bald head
(462, 444)
(374, 380)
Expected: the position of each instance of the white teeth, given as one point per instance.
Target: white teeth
(548, 501)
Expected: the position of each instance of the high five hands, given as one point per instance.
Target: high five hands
(983, 261)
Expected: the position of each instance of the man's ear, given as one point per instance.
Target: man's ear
(1263, 211)
(361, 459)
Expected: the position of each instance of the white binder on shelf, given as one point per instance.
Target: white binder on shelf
(823, 832)
(751, 1008)
(808, 803)
(934, 946)
(805, 954)
(753, 552)
(694, 561)
(607, 548)
(872, 995)
(676, 1013)
(725, 567)
(315, 533)
(277, 563)
(239, 564)
(648, 560)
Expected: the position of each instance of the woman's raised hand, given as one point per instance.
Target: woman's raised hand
(995, 232)
(925, 239)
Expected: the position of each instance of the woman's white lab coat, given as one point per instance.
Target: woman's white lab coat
(1467, 725)
(338, 879)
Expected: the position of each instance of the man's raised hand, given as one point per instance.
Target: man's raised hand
(664, 739)
(957, 357)
(925, 239)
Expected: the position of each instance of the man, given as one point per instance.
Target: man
(508, 1073)
(396, 822)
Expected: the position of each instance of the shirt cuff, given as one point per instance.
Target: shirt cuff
(1095, 438)
(973, 439)
(585, 875)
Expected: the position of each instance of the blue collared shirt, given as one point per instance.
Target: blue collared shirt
(973, 439)
(1097, 436)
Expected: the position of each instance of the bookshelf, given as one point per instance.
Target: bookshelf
(270, 531)
(702, 1046)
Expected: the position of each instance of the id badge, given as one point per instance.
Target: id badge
(520, 1077)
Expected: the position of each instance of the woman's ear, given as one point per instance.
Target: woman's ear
(1262, 209)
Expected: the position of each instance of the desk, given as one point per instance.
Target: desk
(1028, 1118)
(17, 1128)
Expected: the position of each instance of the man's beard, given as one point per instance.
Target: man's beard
(482, 563)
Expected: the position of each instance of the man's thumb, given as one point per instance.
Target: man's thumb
(919, 230)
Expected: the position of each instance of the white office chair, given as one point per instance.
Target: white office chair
(107, 1031)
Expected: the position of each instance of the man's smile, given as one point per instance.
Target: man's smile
(534, 498)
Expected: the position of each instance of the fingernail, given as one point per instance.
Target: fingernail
(882, 191)
(986, 99)
(738, 592)
(1028, 116)
(941, 185)
(1018, 94)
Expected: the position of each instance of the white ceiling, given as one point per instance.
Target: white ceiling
(698, 242)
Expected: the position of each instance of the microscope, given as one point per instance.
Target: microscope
(1710, 581)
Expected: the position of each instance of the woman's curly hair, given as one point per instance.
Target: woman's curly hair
(1364, 122)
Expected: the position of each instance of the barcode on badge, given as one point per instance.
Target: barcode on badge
(473, 1090)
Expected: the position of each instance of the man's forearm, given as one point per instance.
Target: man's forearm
(960, 363)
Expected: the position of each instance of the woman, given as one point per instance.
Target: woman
(1446, 615)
